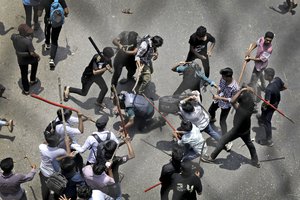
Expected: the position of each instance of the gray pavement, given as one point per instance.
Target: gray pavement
(235, 24)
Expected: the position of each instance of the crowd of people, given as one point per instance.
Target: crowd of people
(63, 173)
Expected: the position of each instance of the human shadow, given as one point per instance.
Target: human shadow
(36, 88)
(233, 161)
(61, 54)
(282, 9)
(11, 138)
(2, 29)
(39, 34)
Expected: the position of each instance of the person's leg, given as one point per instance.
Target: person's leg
(210, 131)
(131, 67)
(190, 57)
(33, 72)
(24, 77)
(205, 64)
(54, 41)
(86, 84)
(44, 188)
(48, 28)
(28, 14)
(247, 140)
(228, 137)
(267, 121)
(164, 193)
(36, 17)
(103, 89)
(223, 117)
(212, 110)
(145, 79)
(118, 66)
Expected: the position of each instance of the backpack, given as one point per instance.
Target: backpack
(50, 129)
(57, 183)
(100, 147)
(57, 17)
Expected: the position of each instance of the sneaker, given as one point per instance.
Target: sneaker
(213, 120)
(66, 93)
(47, 47)
(207, 159)
(33, 82)
(266, 142)
(11, 125)
(228, 146)
(25, 92)
(52, 64)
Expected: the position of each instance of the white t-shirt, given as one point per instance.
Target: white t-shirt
(91, 143)
(96, 181)
(72, 132)
(98, 195)
(48, 154)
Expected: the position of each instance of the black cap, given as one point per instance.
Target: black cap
(102, 121)
(226, 71)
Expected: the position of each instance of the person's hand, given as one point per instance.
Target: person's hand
(202, 57)
(38, 57)
(120, 46)
(33, 166)
(63, 197)
(216, 97)
(155, 56)
(247, 59)
(197, 173)
(79, 114)
(68, 140)
(209, 53)
(247, 53)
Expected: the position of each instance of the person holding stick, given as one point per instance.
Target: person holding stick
(243, 102)
(93, 74)
(147, 51)
(261, 59)
(272, 95)
(10, 183)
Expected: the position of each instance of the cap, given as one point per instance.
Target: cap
(226, 71)
(24, 29)
(102, 121)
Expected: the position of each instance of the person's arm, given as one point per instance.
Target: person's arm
(30, 175)
(284, 87)
(198, 55)
(128, 124)
(66, 11)
(234, 99)
(80, 122)
(250, 49)
(174, 68)
(87, 144)
(142, 49)
(131, 154)
(99, 71)
(132, 52)
(117, 42)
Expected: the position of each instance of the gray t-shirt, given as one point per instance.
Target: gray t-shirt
(23, 46)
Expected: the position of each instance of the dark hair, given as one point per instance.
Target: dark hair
(177, 153)
(186, 167)
(25, 30)
(67, 164)
(109, 147)
(7, 164)
(132, 36)
(84, 192)
(201, 31)
(108, 52)
(186, 125)
(52, 140)
(157, 41)
(188, 107)
(269, 34)
(67, 114)
(99, 168)
(270, 72)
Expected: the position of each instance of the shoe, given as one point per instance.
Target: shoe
(47, 47)
(255, 163)
(66, 93)
(266, 142)
(213, 120)
(207, 159)
(123, 81)
(101, 105)
(33, 82)
(52, 64)
(228, 146)
(11, 125)
(25, 92)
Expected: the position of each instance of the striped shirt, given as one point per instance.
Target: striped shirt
(227, 91)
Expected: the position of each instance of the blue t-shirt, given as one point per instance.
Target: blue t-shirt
(31, 2)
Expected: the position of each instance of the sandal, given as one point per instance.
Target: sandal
(11, 125)
(66, 93)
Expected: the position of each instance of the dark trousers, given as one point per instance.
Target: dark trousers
(223, 116)
(24, 75)
(232, 135)
(44, 188)
(266, 117)
(28, 13)
(87, 83)
(205, 62)
(257, 75)
(121, 60)
(164, 192)
(54, 34)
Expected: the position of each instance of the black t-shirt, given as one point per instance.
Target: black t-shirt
(23, 45)
(200, 45)
(95, 65)
(117, 161)
(124, 40)
(272, 92)
(166, 173)
(46, 4)
(185, 187)
(242, 120)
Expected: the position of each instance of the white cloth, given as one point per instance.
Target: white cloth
(96, 181)
(48, 154)
(72, 132)
(91, 143)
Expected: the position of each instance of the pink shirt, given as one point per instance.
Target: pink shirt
(96, 181)
(263, 52)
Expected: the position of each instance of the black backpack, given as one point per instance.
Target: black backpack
(99, 154)
(57, 183)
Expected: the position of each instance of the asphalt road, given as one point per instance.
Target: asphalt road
(235, 24)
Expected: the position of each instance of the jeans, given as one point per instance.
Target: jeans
(87, 83)
(232, 135)
(266, 117)
(28, 13)
(54, 34)
(224, 114)
(210, 131)
(2, 123)
(205, 62)
(24, 75)
(122, 59)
